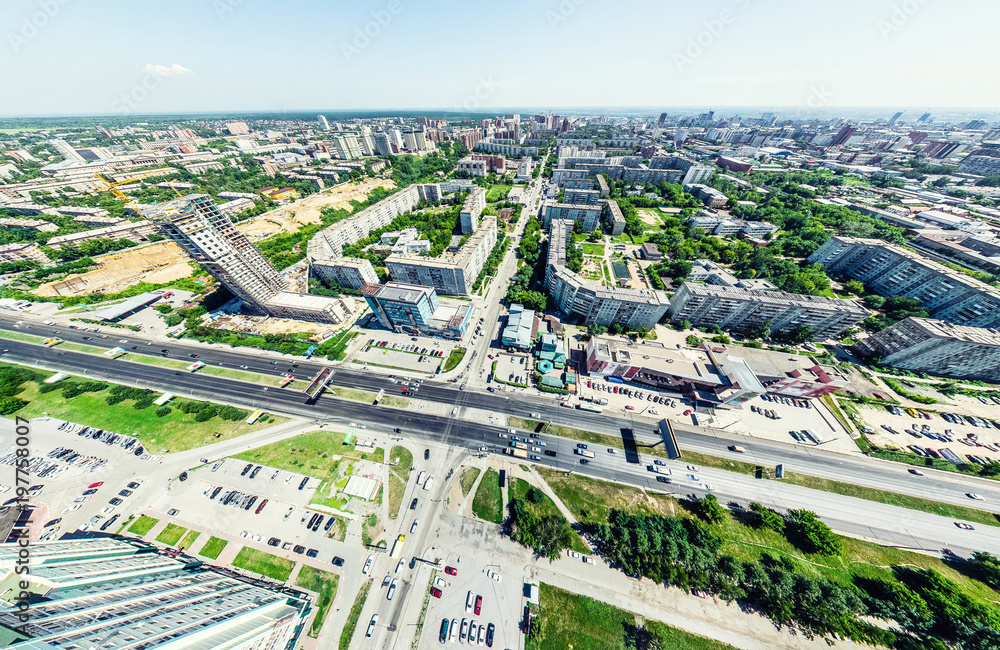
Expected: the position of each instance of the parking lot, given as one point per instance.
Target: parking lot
(512, 368)
(402, 352)
(890, 430)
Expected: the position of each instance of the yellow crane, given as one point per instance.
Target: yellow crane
(113, 188)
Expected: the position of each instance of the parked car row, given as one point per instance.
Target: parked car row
(126, 442)
(235, 498)
(468, 631)
(790, 401)
(768, 413)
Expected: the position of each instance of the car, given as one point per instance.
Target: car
(53, 522)
(534, 415)
(688, 412)
(511, 430)
(312, 553)
(693, 477)
(89, 492)
(581, 445)
(662, 479)
(246, 469)
(502, 435)
(450, 570)
(260, 507)
(329, 524)
(973, 495)
(371, 626)
(536, 457)
(217, 465)
(490, 631)
(95, 485)
(274, 541)
(427, 454)
(657, 461)
(305, 480)
(413, 504)
(465, 630)
(413, 528)
(71, 508)
(368, 564)
(125, 493)
(253, 474)
(479, 604)
(117, 502)
(549, 452)
(612, 451)
(493, 575)
(964, 526)
(172, 512)
(470, 600)
(133, 485)
(482, 635)
(629, 407)
(299, 549)
(584, 461)
(337, 561)
(437, 594)
(289, 513)
(392, 589)
(917, 472)
(109, 522)
(693, 468)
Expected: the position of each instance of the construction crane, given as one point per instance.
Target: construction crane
(113, 188)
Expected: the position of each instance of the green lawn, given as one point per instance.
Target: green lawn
(593, 249)
(272, 566)
(213, 547)
(454, 358)
(176, 431)
(468, 479)
(324, 584)
(171, 534)
(352, 618)
(240, 375)
(497, 192)
(488, 502)
(576, 621)
(143, 525)
(519, 488)
(189, 539)
(369, 398)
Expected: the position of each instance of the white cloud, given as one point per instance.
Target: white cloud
(165, 70)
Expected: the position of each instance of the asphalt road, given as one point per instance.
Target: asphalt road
(857, 469)
(896, 526)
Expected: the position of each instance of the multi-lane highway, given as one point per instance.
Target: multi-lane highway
(888, 524)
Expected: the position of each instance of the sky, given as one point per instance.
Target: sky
(107, 57)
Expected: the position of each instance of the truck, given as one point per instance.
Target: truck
(420, 477)
(518, 445)
(603, 401)
(397, 547)
(659, 469)
(589, 408)
(583, 452)
(519, 453)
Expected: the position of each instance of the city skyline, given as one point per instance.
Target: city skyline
(228, 56)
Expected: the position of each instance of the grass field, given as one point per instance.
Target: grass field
(324, 584)
(339, 529)
(488, 502)
(399, 474)
(177, 431)
(575, 621)
(497, 192)
(592, 500)
(369, 398)
(352, 618)
(213, 547)
(593, 249)
(171, 534)
(454, 358)
(143, 525)
(189, 539)
(320, 454)
(518, 489)
(228, 373)
(468, 479)
(272, 566)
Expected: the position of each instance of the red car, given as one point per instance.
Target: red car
(629, 408)
(479, 604)
(260, 507)
(435, 592)
(450, 570)
(687, 412)
(95, 485)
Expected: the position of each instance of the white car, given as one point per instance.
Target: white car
(71, 508)
(693, 468)
(469, 602)
(493, 575)
(107, 510)
(501, 435)
(371, 626)
(392, 589)
(511, 430)
(588, 559)
(454, 411)
(368, 564)
(413, 528)
(709, 487)
(400, 564)
(973, 495)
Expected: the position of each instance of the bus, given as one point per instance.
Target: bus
(381, 394)
(397, 547)
(51, 342)
(255, 416)
(197, 365)
(583, 452)
(114, 352)
(287, 380)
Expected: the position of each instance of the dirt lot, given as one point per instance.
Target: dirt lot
(650, 217)
(290, 217)
(159, 262)
(259, 325)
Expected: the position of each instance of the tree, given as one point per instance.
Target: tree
(759, 330)
(692, 341)
(806, 531)
(709, 509)
(854, 286)
(766, 518)
(684, 325)
(798, 334)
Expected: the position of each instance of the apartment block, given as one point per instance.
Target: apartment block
(938, 348)
(22, 253)
(195, 223)
(715, 224)
(984, 160)
(581, 197)
(450, 273)
(115, 594)
(560, 176)
(613, 217)
(710, 196)
(350, 272)
(511, 150)
(596, 305)
(416, 309)
(895, 271)
(346, 146)
(478, 164)
(36, 225)
(589, 216)
(134, 230)
(740, 309)
(473, 206)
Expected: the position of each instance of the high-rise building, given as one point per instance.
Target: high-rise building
(347, 146)
(843, 135)
(892, 120)
(237, 128)
(473, 206)
(211, 239)
(451, 273)
(895, 271)
(984, 160)
(350, 272)
(741, 309)
(323, 122)
(415, 309)
(383, 145)
(114, 594)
